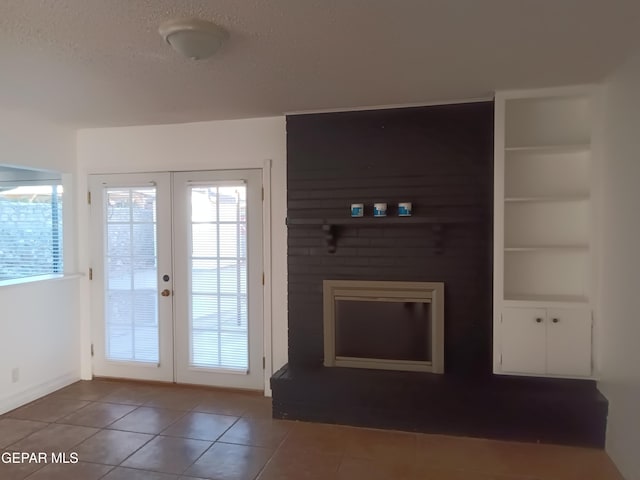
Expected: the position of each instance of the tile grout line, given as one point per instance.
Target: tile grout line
(210, 446)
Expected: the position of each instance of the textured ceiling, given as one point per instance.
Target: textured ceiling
(102, 62)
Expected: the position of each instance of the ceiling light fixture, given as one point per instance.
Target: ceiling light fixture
(192, 37)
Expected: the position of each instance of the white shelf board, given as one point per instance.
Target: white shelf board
(497, 371)
(554, 198)
(573, 148)
(516, 299)
(547, 248)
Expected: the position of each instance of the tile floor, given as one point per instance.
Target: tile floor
(134, 431)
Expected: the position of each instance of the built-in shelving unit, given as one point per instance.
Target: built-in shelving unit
(542, 226)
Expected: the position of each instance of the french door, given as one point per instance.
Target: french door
(177, 277)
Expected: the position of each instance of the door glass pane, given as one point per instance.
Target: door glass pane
(131, 275)
(218, 329)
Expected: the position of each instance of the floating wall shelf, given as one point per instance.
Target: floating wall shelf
(330, 226)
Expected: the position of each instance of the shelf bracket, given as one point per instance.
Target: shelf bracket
(330, 237)
(438, 238)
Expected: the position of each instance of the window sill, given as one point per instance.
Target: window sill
(57, 277)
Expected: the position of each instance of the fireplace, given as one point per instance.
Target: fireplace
(384, 325)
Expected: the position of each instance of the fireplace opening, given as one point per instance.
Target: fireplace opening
(384, 325)
(406, 339)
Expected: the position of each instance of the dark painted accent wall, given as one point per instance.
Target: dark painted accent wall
(441, 159)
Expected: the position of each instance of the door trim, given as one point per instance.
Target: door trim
(266, 268)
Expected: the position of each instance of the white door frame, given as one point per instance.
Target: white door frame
(266, 287)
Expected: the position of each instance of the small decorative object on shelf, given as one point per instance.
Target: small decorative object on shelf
(357, 210)
(404, 209)
(379, 209)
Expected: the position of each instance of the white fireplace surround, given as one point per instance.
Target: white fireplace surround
(384, 291)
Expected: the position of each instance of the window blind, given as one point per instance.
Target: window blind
(219, 333)
(30, 230)
(131, 275)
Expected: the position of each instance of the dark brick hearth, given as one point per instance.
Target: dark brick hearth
(569, 412)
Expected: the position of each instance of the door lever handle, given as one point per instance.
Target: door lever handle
(166, 292)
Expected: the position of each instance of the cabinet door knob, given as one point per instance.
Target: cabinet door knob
(555, 320)
(538, 320)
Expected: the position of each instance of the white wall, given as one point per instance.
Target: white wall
(39, 321)
(619, 349)
(196, 146)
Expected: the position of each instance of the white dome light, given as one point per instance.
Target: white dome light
(192, 37)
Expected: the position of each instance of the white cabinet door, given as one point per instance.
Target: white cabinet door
(569, 342)
(523, 340)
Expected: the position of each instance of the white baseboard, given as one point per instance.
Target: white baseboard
(34, 392)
